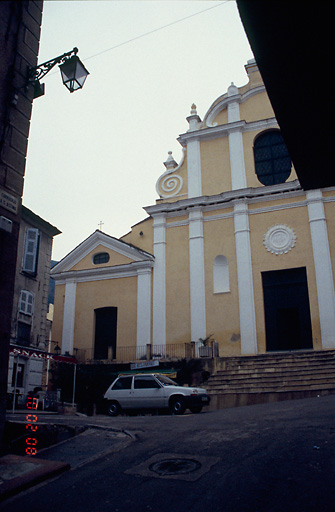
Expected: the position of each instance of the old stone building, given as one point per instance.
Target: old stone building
(30, 328)
(20, 26)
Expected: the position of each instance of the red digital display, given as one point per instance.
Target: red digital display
(31, 442)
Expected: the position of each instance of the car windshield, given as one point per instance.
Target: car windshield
(165, 380)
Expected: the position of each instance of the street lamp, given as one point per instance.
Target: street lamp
(57, 349)
(72, 70)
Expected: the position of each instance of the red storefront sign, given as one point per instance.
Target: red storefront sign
(39, 354)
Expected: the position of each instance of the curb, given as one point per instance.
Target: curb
(18, 473)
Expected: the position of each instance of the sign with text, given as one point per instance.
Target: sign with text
(143, 364)
(37, 354)
(8, 201)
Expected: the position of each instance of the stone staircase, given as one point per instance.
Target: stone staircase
(272, 377)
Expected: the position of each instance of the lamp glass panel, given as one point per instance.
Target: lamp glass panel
(73, 73)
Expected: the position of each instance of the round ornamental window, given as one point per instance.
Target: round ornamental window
(101, 257)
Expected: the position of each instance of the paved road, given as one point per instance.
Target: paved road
(263, 458)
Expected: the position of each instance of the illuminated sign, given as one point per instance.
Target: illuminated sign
(31, 419)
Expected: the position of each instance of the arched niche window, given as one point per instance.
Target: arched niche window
(273, 163)
(101, 257)
(220, 275)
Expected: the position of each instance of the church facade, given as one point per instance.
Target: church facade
(233, 248)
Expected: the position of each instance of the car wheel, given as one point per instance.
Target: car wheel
(177, 405)
(113, 408)
(196, 409)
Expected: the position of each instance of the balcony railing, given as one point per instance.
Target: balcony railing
(148, 352)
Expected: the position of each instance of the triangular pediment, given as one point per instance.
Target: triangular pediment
(120, 253)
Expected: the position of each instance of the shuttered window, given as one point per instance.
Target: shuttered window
(31, 251)
(26, 303)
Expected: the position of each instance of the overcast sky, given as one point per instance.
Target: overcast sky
(96, 154)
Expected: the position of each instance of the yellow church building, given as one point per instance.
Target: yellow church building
(233, 247)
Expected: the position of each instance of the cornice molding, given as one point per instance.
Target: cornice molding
(100, 274)
(224, 130)
(225, 197)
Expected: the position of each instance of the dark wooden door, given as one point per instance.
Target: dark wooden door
(286, 308)
(105, 332)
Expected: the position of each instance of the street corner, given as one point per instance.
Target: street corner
(18, 473)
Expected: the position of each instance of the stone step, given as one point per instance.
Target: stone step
(270, 374)
(226, 400)
(279, 361)
(288, 386)
(300, 364)
(272, 384)
(275, 358)
(271, 377)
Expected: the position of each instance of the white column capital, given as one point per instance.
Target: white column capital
(159, 220)
(144, 271)
(196, 223)
(159, 226)
(241, 219)
(315, 205)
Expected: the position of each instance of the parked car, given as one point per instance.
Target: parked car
(153, 391)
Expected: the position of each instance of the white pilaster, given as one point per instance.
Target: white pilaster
(143, 307)
(197, 275)
(69, 316)
(194, 169)
(236, 152)
(159, 281)
(323, 267)
(245, 282)
(237, 165)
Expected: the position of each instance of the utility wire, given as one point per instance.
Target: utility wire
(152, 31)
(155, 30)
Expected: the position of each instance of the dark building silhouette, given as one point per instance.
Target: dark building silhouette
(20, 25)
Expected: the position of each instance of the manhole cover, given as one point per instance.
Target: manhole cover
(175, 466)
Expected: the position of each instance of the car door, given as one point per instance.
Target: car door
(147, 392)
(122, 391)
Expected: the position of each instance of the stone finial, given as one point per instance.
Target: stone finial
(193, 120)
(232, 89)
(170, 162)
(193, 110)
